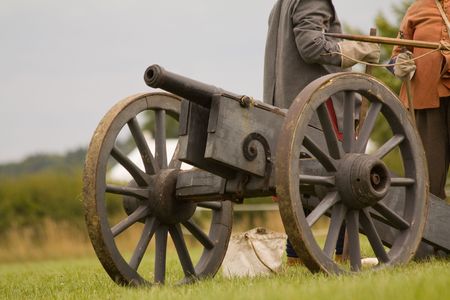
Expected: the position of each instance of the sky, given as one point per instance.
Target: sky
(63, 63)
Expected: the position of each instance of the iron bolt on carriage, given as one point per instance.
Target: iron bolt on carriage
(242, 148)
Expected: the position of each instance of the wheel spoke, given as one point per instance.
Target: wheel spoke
(182, 251)
(160, 138)
(328, 181)
(160, 254)
(337, 218)
(147, 157)
(349, 123)
(327, 162)
(328, 131)
(198, 233)
(214, 205)
(327, 202)
(135, 172)
(147, 234)
(140, 212)
(140, 193)
(402, 181)
(367, 127)
(311, 133)
(391, 216)
(174, 162)
(352, 221)
(373, 236)
(389, 146)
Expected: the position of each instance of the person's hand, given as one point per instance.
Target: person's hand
(404, 65)
(351, 51)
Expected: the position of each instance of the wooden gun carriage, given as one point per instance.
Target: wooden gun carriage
(242, 148)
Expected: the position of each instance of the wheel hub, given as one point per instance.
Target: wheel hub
(161, 199)
(163, 202)
(362, 180)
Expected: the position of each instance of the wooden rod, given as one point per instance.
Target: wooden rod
(385, 40)
(365, 103)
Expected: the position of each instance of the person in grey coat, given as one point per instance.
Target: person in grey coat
(297, 52)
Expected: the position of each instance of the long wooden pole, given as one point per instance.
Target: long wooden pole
(385, 40)
(407, 81)
(365, 103)
(391, 41)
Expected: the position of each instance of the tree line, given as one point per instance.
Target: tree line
(41, 187)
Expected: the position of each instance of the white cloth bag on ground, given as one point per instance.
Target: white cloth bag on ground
(255, 252)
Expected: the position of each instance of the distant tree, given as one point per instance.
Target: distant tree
(387, 29)
(44, 187)
(41, 162)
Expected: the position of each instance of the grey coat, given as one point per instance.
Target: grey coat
(295, 47)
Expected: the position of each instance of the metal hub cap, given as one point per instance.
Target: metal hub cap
(362, 180)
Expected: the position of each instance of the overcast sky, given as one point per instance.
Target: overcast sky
(63, 64)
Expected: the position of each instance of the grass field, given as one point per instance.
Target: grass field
(43, 271)
(84, 278)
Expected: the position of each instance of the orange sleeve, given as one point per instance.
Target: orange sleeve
(407, 28)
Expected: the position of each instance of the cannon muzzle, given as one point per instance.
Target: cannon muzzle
(156, 77)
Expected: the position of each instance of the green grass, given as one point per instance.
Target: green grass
(86, 279)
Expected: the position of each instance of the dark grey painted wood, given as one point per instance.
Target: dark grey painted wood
(193, 143)
(198, 185)
(437, 230)
(230, 124)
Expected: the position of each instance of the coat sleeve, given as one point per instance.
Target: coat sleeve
(407, 28)
(311, 18)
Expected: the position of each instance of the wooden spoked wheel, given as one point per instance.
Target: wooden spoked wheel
(130, 218)
(358, 186)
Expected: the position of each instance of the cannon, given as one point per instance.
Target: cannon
(242, 148)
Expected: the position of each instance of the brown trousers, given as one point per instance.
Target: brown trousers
(434, 128)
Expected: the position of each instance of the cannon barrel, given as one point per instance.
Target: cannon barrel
(201, 93)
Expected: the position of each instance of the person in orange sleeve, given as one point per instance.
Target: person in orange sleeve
(430, 83)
